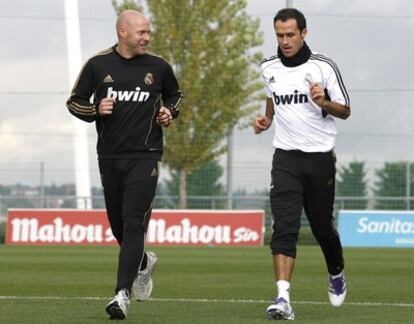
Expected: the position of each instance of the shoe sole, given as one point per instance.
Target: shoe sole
(150, 292)
(155, 265)
(114, 311)
(275, 314)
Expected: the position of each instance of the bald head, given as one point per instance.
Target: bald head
(127, 17)
(133, 31)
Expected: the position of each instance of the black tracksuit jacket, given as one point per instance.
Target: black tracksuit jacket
(140, 86)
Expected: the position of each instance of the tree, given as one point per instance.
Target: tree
(203, 181)
(209, 44)
(352, 183)
(392, 182)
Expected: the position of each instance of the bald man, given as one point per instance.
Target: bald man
(134, 94)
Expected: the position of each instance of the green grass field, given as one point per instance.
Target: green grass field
(201, 285)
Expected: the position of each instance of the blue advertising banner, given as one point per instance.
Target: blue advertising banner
(376, 228)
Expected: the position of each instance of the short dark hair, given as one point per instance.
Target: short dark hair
(291, 13)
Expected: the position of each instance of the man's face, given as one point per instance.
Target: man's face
(289, 37)
(137, 35)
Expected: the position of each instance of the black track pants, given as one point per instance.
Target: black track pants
(129, 190)
(305, 180)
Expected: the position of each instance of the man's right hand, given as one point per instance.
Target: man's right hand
(106, 106)
(261, 123)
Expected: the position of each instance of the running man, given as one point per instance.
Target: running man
(134, 93)
(305, 92)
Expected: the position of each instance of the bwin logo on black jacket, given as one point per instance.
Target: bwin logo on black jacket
(290, 98)
(137, 95)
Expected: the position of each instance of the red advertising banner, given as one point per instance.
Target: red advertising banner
(58, 227)
(166, 227)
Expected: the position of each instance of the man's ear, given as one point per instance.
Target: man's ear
(122, 31)
(304, 33)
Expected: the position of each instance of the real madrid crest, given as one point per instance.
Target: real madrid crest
(149, 79)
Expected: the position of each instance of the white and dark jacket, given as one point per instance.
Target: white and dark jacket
(300, 124)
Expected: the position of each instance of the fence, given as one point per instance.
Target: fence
(200, 202)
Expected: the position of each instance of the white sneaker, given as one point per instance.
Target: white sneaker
(118, 307)
(280, 309)
(142, 285)
(337, 290)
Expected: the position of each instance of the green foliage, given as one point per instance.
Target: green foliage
(392, 182)
(124, 5)
(203, 181)
(209, 43)
(352, 183)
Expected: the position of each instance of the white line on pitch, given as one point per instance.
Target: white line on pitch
(205, 300)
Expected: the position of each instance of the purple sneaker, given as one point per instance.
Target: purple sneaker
(337, 290)
(280, 309)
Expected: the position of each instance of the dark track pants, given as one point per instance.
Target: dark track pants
(129, 190)
(305, 180)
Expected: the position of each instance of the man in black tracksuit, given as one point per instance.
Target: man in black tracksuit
(134, 94)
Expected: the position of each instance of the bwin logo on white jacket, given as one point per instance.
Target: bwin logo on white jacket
(137, 95)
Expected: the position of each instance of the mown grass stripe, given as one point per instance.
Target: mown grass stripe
(205, 300)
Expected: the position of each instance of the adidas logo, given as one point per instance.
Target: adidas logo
(154, 172)
(272, 80)
(108, 78)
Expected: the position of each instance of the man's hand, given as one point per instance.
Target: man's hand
(106, 106)
(261, 123)
(164, 117)
(318, 94)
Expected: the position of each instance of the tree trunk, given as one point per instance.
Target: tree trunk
(183, 189)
